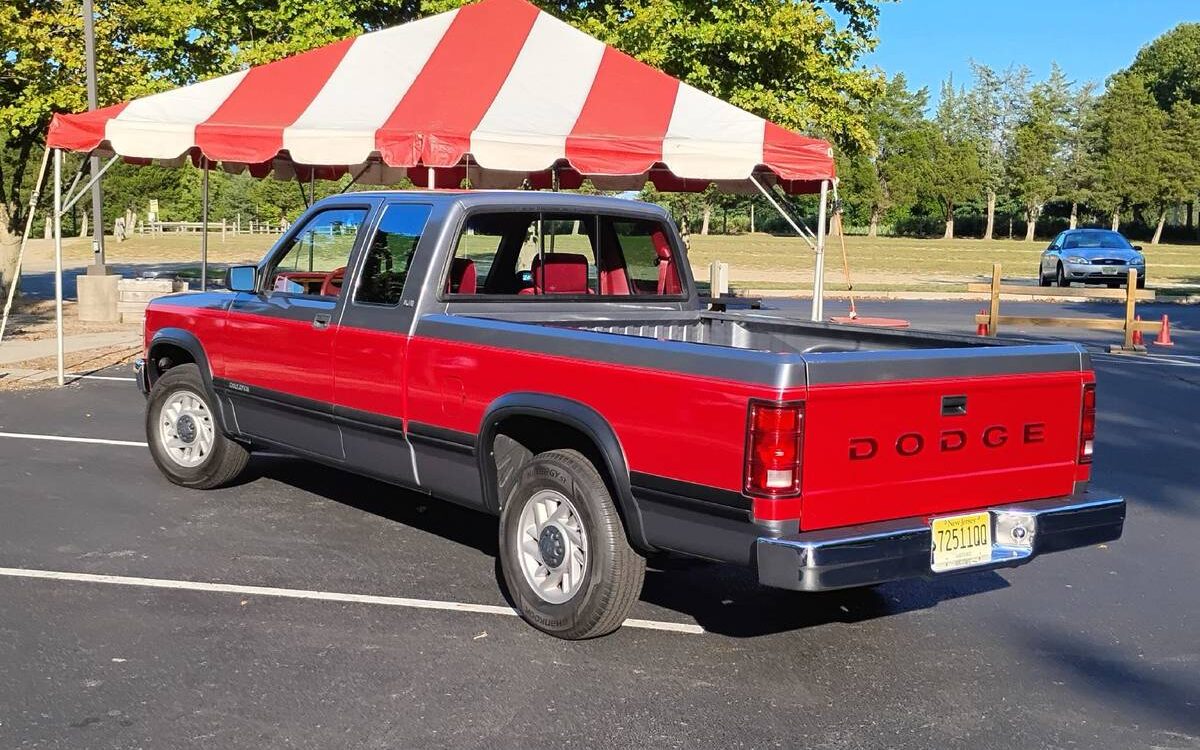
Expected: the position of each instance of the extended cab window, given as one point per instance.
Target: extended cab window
(386, 265)
(315, 261)
(530, 254)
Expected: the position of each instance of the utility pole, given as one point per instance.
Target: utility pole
(98, 268)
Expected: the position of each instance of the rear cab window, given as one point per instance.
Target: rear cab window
(540, 255)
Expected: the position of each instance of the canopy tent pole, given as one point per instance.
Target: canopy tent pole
(16, 279)
(786, 216)
(58, 274)
(432, 179)
(818, 300)
(72, 199)
(204, 227)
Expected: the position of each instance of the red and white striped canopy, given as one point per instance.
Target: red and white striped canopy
(498, 90)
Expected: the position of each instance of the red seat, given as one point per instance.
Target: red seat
(668, 275)
(462, 278)
(560, 273)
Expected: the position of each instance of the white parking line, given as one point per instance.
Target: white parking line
(328, 596)
(102, 377)
(68, 439)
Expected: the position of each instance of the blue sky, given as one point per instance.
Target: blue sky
(1090, 39)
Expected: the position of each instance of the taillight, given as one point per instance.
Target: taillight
(774, 446)
(1087, 424)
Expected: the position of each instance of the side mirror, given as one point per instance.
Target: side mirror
(1138, 248)
(242, 279)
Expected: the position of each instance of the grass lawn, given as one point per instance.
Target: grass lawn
(757, 261)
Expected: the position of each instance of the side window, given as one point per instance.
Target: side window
(315, 261)
(524, 253)
(649, 263)
(386, 265)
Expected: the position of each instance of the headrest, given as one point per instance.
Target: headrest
(561, 273)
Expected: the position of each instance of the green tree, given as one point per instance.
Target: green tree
(1170, 66)
(875, 183)
(993, 107)
(1177, 177)
(955, 170)
(1034, 168)
(1129, 131)
(1079, 162)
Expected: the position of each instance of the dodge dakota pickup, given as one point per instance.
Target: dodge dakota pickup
(546, 358)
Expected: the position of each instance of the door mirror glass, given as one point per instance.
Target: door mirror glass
(1138, 248)
(242, 279)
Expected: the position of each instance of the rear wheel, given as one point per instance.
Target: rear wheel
(566, 560)
(185, 439)
(1063, 281)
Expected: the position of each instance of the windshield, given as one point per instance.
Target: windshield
(1096, 238)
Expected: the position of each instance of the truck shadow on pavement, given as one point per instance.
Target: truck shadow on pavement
(723, 599)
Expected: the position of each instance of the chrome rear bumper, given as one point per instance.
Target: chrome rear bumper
(891, 550)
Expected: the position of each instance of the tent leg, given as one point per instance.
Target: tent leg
(204, 229)
(16, 279)
(818, 300)
(432, 179)
(58, 273)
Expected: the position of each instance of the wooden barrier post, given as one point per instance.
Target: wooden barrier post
(1130, 306)
(994, 311)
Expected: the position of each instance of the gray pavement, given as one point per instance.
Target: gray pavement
(1095, 648)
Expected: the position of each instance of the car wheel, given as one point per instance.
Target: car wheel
(1141, 282)
(566, 560)
(1113, 284)
(1062, 277)
(1042, 279)
(185, 439)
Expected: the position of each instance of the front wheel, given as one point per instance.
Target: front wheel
(1141, 282)
(566, 560)
(185, 440)
(1043, 280)
(1063, 281)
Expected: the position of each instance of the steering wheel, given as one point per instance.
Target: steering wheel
(332, 286)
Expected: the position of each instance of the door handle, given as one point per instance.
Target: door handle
(321, 321)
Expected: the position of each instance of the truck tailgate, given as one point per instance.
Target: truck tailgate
(998, 425)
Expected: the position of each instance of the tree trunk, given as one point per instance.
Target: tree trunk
(83, 224)
(1031, 216)
(873, 228)
(10, 246)
(1116, 219)
(949, 235)
(1074, 214)
(991, 215)
(835, 225)
(1162, 219)
(707, 217)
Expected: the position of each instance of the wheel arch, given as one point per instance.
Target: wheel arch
(512, 415)
(180, 346)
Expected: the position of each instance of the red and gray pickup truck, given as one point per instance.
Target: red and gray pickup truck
(546, 358)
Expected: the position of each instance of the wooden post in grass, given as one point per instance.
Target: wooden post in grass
(1130, 306)
(994, 310)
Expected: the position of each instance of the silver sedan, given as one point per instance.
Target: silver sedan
(1091, 256)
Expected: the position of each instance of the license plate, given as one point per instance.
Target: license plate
(1109, 270)
(961, 541)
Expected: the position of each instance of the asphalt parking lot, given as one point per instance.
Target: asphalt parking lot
(1096, 648)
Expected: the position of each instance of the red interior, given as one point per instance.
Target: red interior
(560, 273)
(462, 279)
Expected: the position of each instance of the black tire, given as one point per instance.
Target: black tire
(1113, 284)
(1061, 277)
(1141, 282)
(1042, 280)
(613, 572)
(222, 464)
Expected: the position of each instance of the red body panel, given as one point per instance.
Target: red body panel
(670, 424)
(689, 428)
(926, 463)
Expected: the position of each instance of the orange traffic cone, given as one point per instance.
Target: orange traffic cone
(982, 329)
(1164, 333)
(1137, 332)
